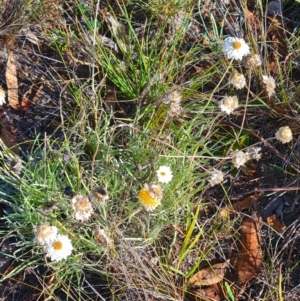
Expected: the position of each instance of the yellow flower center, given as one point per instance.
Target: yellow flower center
(163, 174)
(58, 245)
(237, 45)
(146, 199)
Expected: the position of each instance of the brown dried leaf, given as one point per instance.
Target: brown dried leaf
(275, 223)
(210, 275)
(12, 81)
(213, 293)
(250, 254)
(246, 203)
(239, 206)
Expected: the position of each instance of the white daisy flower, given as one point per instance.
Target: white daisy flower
(270, 84)
(235, 48)
(150, 196)
(216, 177)
(58, 248)
(173, 99)
(237, 80)
(173, 96)
(102, 238)
(164, 174)
(44, 233)
(2, 96)
(228, 104)
(254, 153)
(284, 134)
(239, 158)
(82, 207)
(15, 164)
(253, 61)
(175, 110)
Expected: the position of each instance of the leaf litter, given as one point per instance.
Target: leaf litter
(12, 81)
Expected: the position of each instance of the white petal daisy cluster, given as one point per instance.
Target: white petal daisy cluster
(164, 174)
(58, 248)
(228, 104)
(82, 207)
(237, 80)
(235, 48)
(253, 60)
(254, 153)
(44, 233)
(284, 134)
(270, 84)
(239, 158)
(101, 237)
(174, 99)
(150, 195)
(55, 246)
(216, 177)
